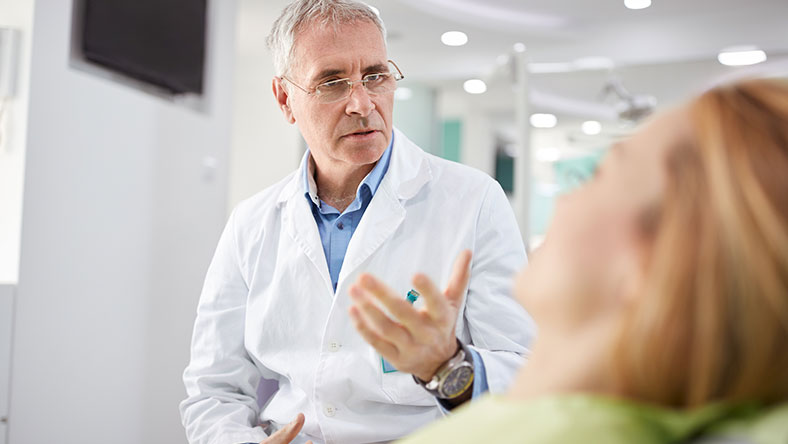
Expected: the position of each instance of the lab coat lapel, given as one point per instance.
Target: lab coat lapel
(381, 219)
(408, 173)
(300, 225)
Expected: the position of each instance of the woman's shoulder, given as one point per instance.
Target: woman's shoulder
(767, 425)
(555, 419)
(574, 418)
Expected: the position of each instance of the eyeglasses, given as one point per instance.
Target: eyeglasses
(336, 90)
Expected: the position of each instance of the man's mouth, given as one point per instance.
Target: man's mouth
(361, 133)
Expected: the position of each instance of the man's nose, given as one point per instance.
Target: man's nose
(359, 101)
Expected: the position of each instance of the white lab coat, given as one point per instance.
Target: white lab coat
(268, 307)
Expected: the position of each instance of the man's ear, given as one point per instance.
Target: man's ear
(282, 99)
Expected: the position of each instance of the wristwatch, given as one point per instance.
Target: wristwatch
(453, 378)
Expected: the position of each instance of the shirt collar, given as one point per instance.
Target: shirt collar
(371, 181)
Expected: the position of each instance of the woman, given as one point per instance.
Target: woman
(661, 291)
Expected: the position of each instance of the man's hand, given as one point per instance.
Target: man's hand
(418, 341)
(287, 433)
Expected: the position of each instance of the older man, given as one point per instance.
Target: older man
(294, 271)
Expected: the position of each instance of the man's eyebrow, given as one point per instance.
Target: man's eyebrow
(327, 73)
(377, 68)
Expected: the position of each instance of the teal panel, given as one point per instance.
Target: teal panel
(452, 131)
(504, 172)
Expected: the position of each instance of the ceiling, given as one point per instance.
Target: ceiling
(565, 30)
(668, 50)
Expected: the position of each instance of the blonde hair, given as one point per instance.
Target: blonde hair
(713, 324)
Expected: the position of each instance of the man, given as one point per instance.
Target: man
(293, 271)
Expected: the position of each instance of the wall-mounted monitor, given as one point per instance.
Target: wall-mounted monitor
(161, 42)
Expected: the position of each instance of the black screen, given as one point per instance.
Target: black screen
(161, 42)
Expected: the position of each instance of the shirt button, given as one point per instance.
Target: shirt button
(341, 226)
(334, 346)
(329, 410)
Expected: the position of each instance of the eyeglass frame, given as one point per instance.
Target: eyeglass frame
(351, 83)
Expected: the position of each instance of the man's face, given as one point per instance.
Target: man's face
(350, 132)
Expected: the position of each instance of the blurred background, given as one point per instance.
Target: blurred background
(118, 169)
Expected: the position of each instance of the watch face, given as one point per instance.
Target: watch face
(457, 381)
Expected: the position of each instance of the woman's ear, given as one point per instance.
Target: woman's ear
(282, 99)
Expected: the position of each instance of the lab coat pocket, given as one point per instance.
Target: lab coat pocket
(402, 389)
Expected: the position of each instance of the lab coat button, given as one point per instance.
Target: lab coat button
(329, 410)
(334, 346)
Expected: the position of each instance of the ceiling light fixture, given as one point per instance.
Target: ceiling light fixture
(454, 38)
(519, 47)
(593, 63)
(541, 120)
(474, 86)
(637, 4)
(548, 154)
(591, 127)
(741, 56)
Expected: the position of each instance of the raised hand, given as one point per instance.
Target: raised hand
(418, 341)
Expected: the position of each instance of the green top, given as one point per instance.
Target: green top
(589, 418)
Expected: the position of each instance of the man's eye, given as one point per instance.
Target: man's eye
(375, 77)
(334, 84)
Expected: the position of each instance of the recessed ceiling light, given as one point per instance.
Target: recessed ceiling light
(474, 86)
(519, 47)
(593, 63)
(540, 120)
(548, 154)
(550, 67)
(454, 38)
(637, 4)
(741, 56)
(403, 93)
(591, 127)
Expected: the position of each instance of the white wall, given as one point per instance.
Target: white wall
(6, 331)
(417, 116)
(477, 142)
(265, 147)
(120, 221)
(17, 14)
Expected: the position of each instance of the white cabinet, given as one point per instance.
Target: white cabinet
(6, 326)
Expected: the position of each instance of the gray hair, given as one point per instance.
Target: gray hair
(301, 13)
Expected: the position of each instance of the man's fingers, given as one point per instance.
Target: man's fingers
(376, 319)
(460, 275)
(434, 301)
(397, 305)
(384, 347)
(286, 433)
